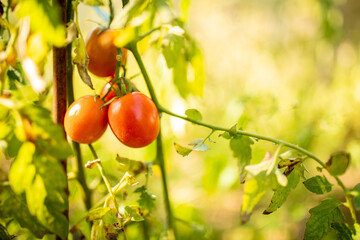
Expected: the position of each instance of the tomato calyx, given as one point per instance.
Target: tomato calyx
(117, 87)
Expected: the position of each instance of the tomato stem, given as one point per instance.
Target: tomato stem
(161, 162)
(134, 49)
(106, 180)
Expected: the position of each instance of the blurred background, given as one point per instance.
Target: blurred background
(284, 69)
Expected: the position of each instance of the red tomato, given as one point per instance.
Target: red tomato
(85, 119)
(111, 93)
(134, 120)
(102, 52)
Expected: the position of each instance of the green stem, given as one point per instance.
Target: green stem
(106, 180)
(161, 162)
(111, 10)
(145, 227)
(133, 48)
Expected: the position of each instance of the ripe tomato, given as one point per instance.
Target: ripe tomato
(85, 119)
(134, 119)
(102, 52)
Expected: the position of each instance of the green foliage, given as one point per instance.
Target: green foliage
(318, 185)
(97, 213)
(343, 231)
(146, 200)
(4, 235)
(281, 193)
(81, 59)
(133, 166)
(183, 151)
(45, 18)
(14, 206)
(193, 114)
(261, 177)
(338, 163)
(241, 148)
(322, 217)
(132, 213)
(49, 136)
(357, 196)
(32, 172)
(184, 58)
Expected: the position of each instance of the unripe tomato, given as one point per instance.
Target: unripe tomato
(86, 119)
(134, 120)
(102, 52)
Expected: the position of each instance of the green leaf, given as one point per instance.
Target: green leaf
(193, 114)
(343, 231)
(281, 193)
(133, 214)
(322, 216)
(183, 151)
(146, 200)
(50, 184)
(254, 189)
(81, 60)
(199, 145)
(97, 213)
(130, 11)
(357, 196)
(4, 235)
(44, 182)
(184, 57)
(318, 185)
(338, 163)
(49, 136)
(129, 165)
(22, 171)
(241, 147)
(14, 206)
(45, 18)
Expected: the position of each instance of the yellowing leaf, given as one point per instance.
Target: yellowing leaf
(81, 61)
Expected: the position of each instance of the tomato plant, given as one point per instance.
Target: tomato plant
(49, 188)
(86, 119)
(134, 120)
(102, 52)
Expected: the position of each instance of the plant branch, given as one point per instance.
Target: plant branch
(161, 162)
(273, 140)
(133, 48)
(106, 180)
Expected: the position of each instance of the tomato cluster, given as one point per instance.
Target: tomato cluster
(133, 117)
